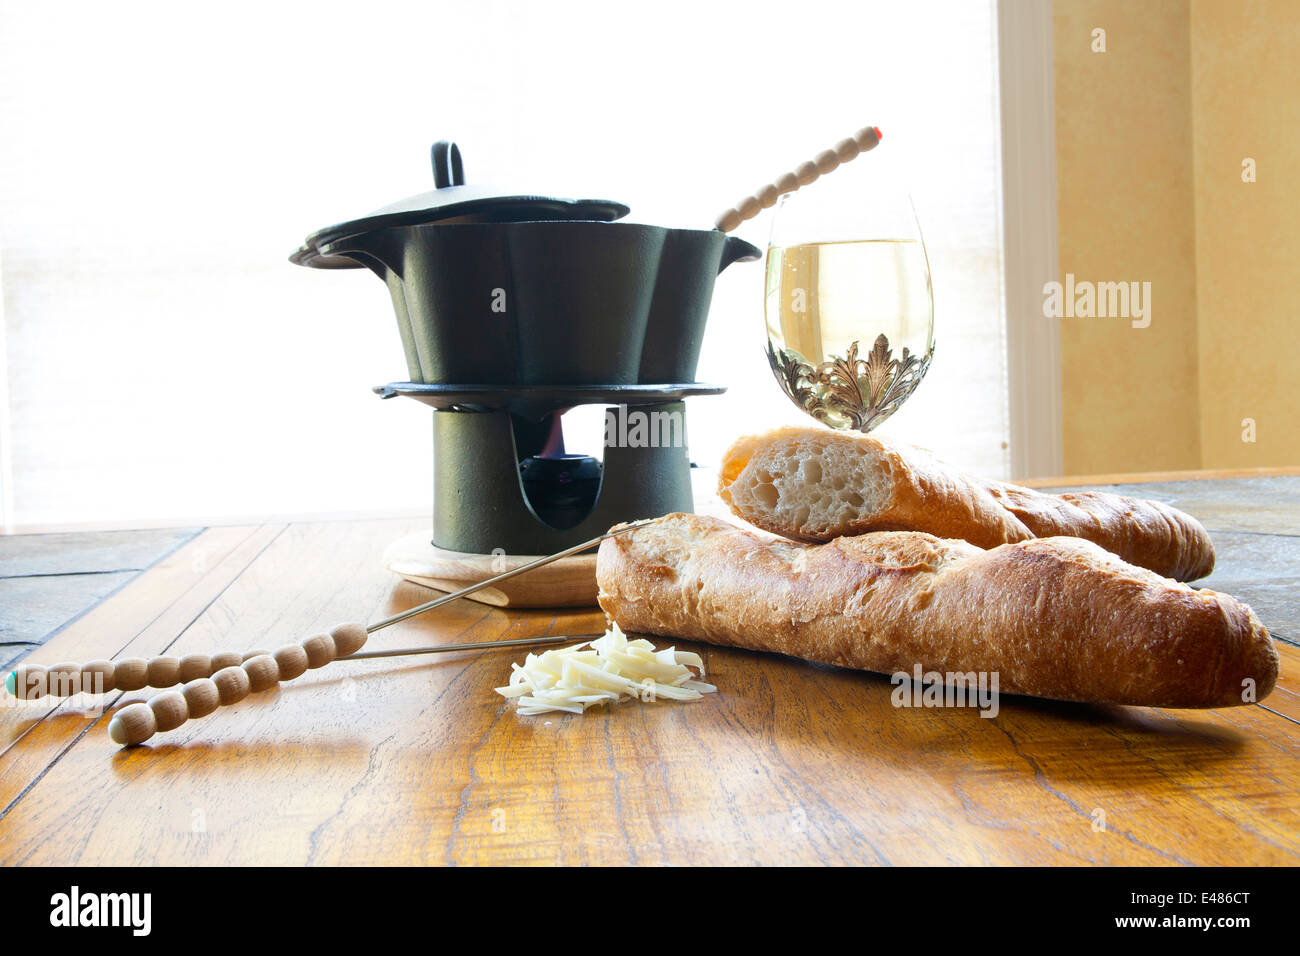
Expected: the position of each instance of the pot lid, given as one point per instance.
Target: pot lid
(452, 201)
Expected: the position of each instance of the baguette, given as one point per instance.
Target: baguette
(811, 484)
(1053, 617)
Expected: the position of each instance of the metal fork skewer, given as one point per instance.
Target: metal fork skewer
(481, 645)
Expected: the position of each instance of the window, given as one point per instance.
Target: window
(166, 363)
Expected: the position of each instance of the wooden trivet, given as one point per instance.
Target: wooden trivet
(568, 582)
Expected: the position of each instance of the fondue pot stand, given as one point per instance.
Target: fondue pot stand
(514, 307)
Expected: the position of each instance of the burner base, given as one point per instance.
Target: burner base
(481, 500)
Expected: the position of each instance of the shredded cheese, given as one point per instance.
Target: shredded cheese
(609, 669)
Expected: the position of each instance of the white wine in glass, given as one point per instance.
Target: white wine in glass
(850, 314)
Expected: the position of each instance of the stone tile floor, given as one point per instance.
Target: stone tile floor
(47, 581)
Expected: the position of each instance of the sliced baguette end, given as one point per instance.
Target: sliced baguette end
(806, 483)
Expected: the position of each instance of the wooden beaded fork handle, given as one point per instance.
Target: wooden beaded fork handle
(227, 678)
(864, 140)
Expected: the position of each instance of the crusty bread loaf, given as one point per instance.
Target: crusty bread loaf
(1053, 617)
(813, 484)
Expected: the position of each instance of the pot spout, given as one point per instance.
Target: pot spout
(738, 250)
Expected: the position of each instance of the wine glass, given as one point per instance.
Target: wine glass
(850, 310)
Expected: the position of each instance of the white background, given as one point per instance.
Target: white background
(159, 161)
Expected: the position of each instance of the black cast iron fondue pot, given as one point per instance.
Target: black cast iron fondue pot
(501, 289)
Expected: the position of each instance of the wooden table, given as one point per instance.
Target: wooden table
(417, 761)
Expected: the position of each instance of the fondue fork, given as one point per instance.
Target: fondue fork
(230, 676)
(864, 140)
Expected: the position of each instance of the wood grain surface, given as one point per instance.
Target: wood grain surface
(1145, 477)
(417, 761)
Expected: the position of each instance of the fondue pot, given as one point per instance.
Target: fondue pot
(512, 308)
(518, 289)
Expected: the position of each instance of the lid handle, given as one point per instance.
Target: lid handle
(447, 167)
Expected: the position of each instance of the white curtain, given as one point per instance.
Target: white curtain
(158, 162)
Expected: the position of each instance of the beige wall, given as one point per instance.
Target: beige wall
(1150, 137)
(1246, 103)
(1124, 188)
